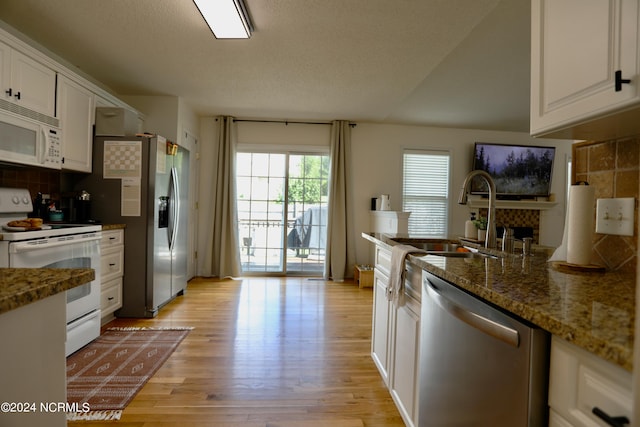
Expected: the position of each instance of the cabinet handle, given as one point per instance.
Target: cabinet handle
(612, 421)
(111, 264)
(110, 298)
(9, 92)
(17, 95)
(620, 81)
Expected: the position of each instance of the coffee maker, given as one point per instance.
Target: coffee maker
(77, 207)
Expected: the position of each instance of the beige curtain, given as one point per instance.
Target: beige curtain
(340, 250)
(225, 255)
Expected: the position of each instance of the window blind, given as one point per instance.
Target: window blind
(425, 191)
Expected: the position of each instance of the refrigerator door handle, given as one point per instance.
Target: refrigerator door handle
(174, 200)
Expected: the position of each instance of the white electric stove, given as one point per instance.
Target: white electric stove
(55, 246)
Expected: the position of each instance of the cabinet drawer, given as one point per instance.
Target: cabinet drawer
(383, 260)
(112, 238)
(580, 381)
(111, 263)
(111, 296)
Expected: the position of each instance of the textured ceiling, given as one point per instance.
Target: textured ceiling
(461, 63)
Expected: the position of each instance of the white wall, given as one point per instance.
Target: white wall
(286, 136)
(377, 167)
(161, 114)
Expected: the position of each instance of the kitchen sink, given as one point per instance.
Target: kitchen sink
(429, 244)
(461, 254)
(436, 246)
(445, 248)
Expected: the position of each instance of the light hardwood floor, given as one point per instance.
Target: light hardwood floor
(265, 352)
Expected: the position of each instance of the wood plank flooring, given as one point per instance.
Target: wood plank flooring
(265, 352)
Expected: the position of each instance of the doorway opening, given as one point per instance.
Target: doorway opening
(282, 212)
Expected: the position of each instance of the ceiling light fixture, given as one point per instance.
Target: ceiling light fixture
(228, 19)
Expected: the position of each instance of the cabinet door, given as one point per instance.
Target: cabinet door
(5, 71)
(576, 48)
(76, 106)
(33, 84)
(579, 381)
(380, 332)
(404, 387)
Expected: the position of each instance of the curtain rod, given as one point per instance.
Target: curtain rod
(286, 122)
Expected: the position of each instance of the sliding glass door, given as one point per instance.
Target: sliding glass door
(282, 212)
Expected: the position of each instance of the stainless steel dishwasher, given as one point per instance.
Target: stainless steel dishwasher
(479, 366)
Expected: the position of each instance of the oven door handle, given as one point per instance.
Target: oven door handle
(21, 247)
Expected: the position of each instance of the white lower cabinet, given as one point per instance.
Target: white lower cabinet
(380, 324)
(32, 363)
(581, 384)
(404, 378)
(395, 339)
(111, 272)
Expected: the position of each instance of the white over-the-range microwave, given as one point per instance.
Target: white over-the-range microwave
(29, 142)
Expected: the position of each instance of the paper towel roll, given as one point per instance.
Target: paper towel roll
(580, 224)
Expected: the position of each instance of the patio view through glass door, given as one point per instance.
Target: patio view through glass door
(282, 212)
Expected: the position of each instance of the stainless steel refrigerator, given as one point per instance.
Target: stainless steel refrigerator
(143, 182)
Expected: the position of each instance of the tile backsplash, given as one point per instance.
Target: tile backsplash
(518, 218)
(35, 179)
(613, 167)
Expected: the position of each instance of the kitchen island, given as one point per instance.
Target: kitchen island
(589, 316)
(33, 335)
(593, 310)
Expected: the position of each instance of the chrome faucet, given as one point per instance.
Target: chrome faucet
(490, 241)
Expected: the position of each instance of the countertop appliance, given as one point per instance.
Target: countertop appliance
(29, 142)
(142, 182)
(55, 246)
(76, 207)
(479, 366)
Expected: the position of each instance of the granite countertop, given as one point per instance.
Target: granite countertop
(107, 227)
(21, 286)
(593, 310)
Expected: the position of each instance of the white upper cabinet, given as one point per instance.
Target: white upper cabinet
(76, 110)
(26, 82)
(584, 68)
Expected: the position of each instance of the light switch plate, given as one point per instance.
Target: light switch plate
(615, 216)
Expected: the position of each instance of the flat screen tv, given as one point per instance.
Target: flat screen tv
(519, 171)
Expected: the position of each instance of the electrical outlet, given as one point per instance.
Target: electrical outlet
(615, 216)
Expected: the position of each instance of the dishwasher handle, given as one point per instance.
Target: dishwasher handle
(488, 326)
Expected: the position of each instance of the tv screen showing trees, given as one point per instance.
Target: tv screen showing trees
(519, 171)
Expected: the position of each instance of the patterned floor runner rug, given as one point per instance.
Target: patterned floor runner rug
(104, 376)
